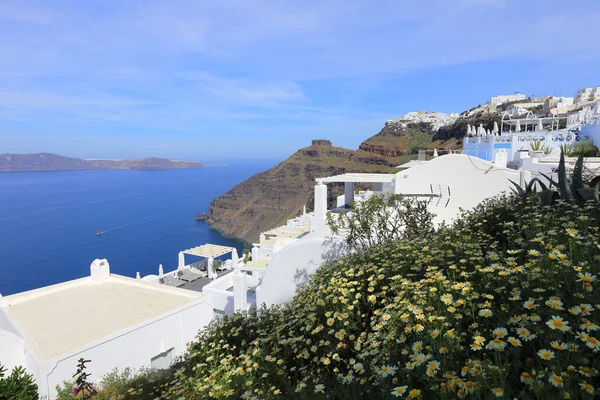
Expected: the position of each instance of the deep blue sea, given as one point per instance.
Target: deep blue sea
(49, 220)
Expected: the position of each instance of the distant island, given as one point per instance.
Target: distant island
(53, 162)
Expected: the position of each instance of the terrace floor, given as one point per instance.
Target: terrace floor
(198, 284)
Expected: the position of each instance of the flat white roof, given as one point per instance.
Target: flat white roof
(209, 250)
(288, 232)
(358, 178)
(60, 318)
(411, 163)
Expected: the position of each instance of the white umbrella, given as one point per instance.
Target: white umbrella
(435, 153)
(137, 276)
(469, 130)
(161, 273)
(495, 130)
(488, 133)
(518, 126)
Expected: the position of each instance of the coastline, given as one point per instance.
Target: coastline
(246, 245)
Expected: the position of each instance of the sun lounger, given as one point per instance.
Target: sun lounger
(172, 281)
(189, 276)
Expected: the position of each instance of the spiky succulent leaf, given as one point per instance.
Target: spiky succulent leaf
(519, 190)
(551, 181)
(577, 180)
(531, 185)
(588, 194)
(563, 184)
(547, 197)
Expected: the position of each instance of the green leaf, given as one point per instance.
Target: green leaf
(519, 190)
(552, 181)
(587, 194)
(577, 181)
(563, 184)
(547, 197)
(531, 185)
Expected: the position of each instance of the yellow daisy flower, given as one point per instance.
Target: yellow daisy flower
(559, 324)
(545, 354)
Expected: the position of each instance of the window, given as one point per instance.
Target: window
(163, 360)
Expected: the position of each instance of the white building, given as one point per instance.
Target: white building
(114, 321)
(560, 102)
(587, 94)
(497, 100)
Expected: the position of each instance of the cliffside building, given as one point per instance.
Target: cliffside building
(587, 95)
(497, 100)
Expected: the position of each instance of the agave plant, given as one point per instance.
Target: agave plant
(566, 148)
(530, 188)
(536, 145)
(574, 191)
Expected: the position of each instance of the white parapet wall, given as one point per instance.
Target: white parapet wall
(291, 267)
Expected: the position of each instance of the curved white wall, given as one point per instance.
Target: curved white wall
(292, 266)
(471, 180)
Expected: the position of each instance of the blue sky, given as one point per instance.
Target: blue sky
(231, 79)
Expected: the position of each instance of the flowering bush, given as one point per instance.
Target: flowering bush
(503, 304)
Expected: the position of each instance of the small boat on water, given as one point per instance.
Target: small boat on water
(99, 233)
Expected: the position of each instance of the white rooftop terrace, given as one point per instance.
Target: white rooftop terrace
(60, 318)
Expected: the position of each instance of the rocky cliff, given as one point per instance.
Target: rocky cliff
(269, 198)
(54, 162)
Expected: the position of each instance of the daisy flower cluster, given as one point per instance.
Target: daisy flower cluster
(504, 303)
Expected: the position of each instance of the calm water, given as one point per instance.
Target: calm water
(49, 220)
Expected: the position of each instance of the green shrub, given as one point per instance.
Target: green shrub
(126, 384)
(503, 303)
(586, 148)
(382, 219)
(19, 385)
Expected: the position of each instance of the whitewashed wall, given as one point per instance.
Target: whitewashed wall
(291, 267)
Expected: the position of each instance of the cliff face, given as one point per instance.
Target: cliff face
(54, 162)
(271, 197)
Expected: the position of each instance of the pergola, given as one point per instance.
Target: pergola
(537, 124)
(208, 251)
(349, 180)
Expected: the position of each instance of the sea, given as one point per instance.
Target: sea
(49, 220)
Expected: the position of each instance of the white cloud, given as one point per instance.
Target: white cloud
(245, 90)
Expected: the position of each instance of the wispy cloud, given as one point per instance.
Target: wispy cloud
(244, 90)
